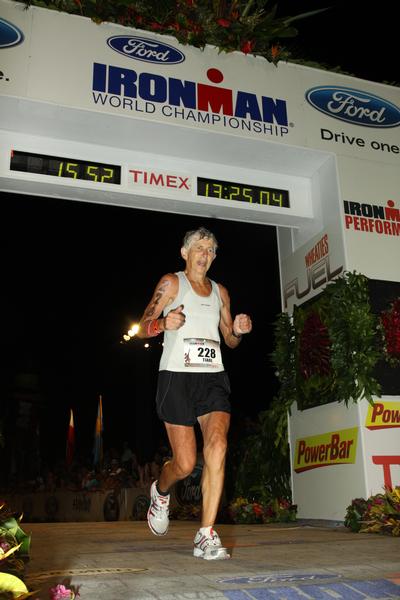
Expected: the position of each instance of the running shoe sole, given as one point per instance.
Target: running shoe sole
(211, 553)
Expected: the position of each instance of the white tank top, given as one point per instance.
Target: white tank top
(195, 347)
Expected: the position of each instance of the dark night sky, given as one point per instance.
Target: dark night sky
(76, 275)
(361, 38)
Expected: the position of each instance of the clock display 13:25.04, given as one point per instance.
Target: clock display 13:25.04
(242, 193)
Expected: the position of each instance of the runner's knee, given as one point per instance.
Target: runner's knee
(183, 466)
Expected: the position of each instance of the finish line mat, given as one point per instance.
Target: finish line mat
(79, 572)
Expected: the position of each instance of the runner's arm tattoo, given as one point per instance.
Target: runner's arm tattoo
(158, 294)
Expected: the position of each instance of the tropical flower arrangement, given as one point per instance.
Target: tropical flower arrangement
(241, 510)
(378, 514)
(14, 553)
(243, 25)
(329, 349)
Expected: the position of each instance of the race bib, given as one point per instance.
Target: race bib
(199, 352)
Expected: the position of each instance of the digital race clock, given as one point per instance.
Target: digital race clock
(226, 190)
(64, 167)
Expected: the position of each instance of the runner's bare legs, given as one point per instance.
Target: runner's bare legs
(214, 427)
(183, 444)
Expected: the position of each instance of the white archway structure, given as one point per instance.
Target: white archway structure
(106, 114)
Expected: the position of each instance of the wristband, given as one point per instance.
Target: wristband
(239, 337)
(153, 328)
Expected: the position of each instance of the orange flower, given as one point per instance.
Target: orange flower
(257, 509)
(275, 51)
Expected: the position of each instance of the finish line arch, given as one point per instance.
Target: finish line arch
(103, 113)
(106, 114)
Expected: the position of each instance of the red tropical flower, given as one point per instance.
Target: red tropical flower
(224, 23)
(156, 26)
(247, 46)
(315, 347)
(390, 320)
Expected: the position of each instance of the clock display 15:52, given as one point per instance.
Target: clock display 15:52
(70, 168)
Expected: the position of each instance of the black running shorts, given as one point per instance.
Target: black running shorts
(182, 397)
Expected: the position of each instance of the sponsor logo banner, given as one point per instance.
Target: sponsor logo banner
(333, 448)
(146, 50)
(354, 106)
(167, 181)
(372, 218)
(199, 103)
(318, 272)
(10, 35)
(383, 415)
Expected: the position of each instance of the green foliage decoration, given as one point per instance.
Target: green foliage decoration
(260, 466)
(328, 350)
(379, 514)
(248, 26)
(389, 330)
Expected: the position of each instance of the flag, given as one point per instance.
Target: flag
(98, 437)
(70, 440)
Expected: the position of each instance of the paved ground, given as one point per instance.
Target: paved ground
(123, 561)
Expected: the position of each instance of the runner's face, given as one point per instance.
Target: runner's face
(200, 254)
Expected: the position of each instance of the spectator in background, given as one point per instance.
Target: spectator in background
(126, 457)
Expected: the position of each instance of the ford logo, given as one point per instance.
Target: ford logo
(10, 35)
(353, 106)
(146, 50)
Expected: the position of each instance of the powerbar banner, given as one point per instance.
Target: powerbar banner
(383, 415)
(326, 449)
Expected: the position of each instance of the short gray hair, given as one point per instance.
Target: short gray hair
(198, 234)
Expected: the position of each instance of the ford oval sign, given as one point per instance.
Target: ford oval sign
(10, 35)
(147, 50)
(353, 106)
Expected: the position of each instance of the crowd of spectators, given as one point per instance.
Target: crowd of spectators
(118, 469)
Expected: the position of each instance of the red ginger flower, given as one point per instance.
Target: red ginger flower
(247, 46)
(315, 347)
(156, 26)
(224, 23)
(391, 323)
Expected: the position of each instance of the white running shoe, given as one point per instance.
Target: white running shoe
(209, 546)
(157, 515)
